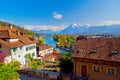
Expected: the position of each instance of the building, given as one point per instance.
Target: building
(55, 56)
(47, 53)
(16, 44)
(44, 49)
(97, 58)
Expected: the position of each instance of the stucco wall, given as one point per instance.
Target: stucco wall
(46, 51)
(102, 75)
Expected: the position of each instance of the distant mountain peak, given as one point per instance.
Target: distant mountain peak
(89, 29)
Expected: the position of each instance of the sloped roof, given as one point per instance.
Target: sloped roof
(43, 46)
(56, 56)
(103, 48)
(8, 33)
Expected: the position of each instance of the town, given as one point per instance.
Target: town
(59, 39)
(93, 56)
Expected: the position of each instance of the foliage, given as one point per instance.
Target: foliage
(35, 64)
(65, 41)
(41, 41)
(66, 63)
(29, 57)
(14, 64)
(2, 56)
(8, 72)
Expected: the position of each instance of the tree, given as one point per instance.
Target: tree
(14, 64)
(8, 72)
(41, 41)
(66, 63)
(29, 57)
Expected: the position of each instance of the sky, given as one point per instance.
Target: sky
(57, 14)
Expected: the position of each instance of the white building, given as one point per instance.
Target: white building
(43, 50)
(16, 45)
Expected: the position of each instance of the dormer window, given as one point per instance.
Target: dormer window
(94, 51)
(114, 53)
(79, 51)
(0, 46)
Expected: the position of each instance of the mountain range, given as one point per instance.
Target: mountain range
(102, 29)
(85, 29)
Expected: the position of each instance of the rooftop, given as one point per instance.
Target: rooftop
(43, 46)
(98, 48)
(13, 33)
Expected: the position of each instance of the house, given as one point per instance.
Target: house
(55, 56)
(97, 58)
(44, 49)
(47, 53)
(16, 44)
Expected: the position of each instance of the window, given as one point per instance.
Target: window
(14, 49)
(111, 71)
(94, 51)
(30, 47)
(33, 54)
(80, 51)
(0, 46)
(114, 53)
(18, 55)
(96, 68)
(20, 47)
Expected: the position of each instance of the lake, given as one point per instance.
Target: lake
(50, 41)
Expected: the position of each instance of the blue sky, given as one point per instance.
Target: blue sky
(57, 14)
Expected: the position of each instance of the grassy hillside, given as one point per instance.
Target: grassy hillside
(28, 32)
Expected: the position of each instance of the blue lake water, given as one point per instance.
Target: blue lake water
(50, 41)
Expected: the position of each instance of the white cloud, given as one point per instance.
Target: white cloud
(45, 27)
(57, 15)
(110, 22)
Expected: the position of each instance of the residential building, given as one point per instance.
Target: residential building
(55, 56)
(16, 44)
(97, 58)
(44, 49)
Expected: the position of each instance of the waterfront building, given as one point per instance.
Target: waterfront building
(44, 49)
(16, 44)
(97, 58)
(47, 53)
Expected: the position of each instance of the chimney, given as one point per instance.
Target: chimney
(10, 26)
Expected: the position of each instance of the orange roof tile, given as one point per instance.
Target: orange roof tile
(103, 47)
(43, 46)
(7, 33)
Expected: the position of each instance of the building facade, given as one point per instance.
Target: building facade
(44, 49)
(16, 45)
(97, 59)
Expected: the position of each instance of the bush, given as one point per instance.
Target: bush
(14, 64)
(8, 72)
(66, 63)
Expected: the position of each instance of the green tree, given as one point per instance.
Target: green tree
(66, 63)
(41, 41)
(14, 64)
(8, 72)
(29, 57)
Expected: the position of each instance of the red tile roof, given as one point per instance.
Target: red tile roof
(98, 48)
(43, 46)
(8, 33)
(54, 55)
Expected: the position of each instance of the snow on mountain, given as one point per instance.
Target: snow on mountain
(102, 29)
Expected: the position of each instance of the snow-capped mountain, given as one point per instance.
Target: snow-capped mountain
(87, 29)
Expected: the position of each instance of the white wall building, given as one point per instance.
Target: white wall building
(44, 49)
(16, 46)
